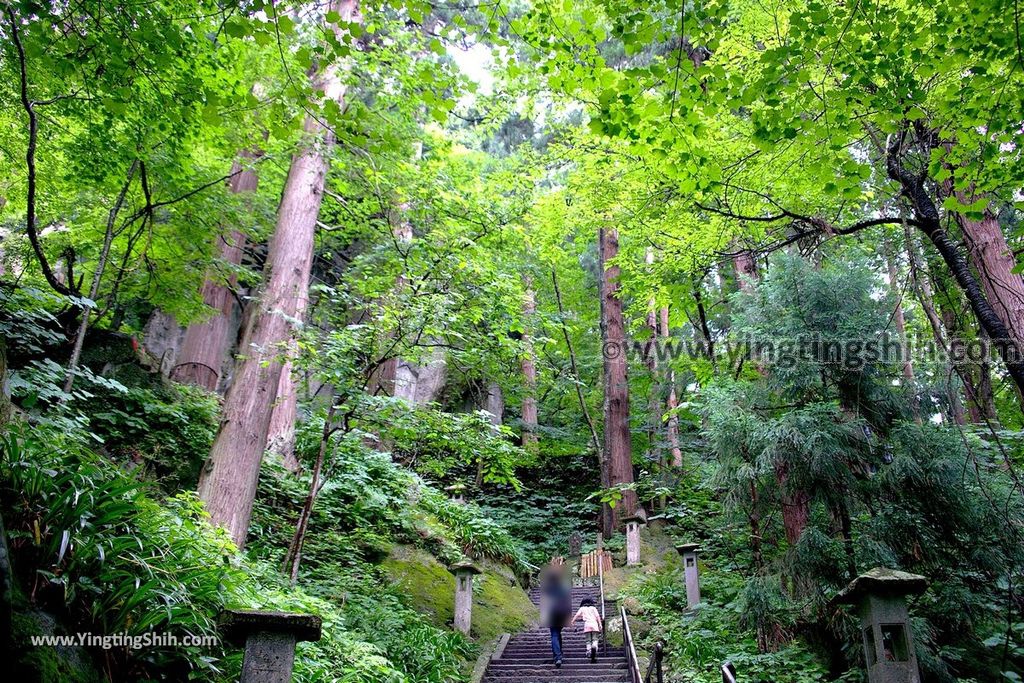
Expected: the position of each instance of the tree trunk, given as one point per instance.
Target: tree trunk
(617, 437)
(928, 221)
(900, 322)
(207, 344)
(529, 368)
(654, 413)
(281, 430)
(227, 484)
(796, 509)
(494, 403)
(97, 278)
(294, 556)
(926, 297)
(672, 402)
(994, 261)
(746, 270)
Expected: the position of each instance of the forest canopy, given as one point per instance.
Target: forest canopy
(304, 306)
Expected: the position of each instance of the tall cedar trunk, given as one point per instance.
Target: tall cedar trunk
(990, 255)
(794, 501)
(994, 261)
(617, 438)
(529, 368)
(404, 372)
(494, 403)
(227, 484)
(928, 221)
(672, 402)
(796, 504)
(900, 322)
(921, 280)
(657, 452)
(281, 430)
(746, 270)
(207, 344)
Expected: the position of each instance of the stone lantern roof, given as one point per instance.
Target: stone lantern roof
(684, 548)
(464, 566)
(239, 624)
(881, 581)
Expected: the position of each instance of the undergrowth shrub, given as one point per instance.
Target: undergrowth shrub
(697, 642)
(92, 545)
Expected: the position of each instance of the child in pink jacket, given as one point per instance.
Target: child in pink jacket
(591, 626)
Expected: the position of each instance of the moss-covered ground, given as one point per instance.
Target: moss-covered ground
(500, 605)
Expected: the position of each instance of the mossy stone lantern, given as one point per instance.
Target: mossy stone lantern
(457, 492)
(269, 639)
(464, 572)
(880, 596)
(689, 552)
(633, 523)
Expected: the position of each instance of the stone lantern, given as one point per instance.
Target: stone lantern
(269, 639)
(689, 551)
(880, 596)
(633, 523)
(464, 572)
(457, 492)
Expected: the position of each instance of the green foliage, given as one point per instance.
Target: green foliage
(97, 545)
(697, 642)
(92, 542)
(169, 431)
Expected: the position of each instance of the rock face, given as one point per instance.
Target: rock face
(162, 338)
(527, 656)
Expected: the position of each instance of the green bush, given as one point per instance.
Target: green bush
(98, 549)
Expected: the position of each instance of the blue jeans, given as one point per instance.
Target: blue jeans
(556, 642)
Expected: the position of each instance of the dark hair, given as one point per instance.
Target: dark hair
(586, 602)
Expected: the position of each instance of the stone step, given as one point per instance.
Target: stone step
(527, 656)
(498, 666)
(566, 657)
(541, 649)
(562, 675)
(595, 671)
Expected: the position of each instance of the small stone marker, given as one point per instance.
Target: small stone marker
(689, 551)
(633, 537)
(575, 544)
(463, 572)
(880, 595)
(269, 639)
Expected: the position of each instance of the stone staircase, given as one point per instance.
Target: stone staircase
(527, 656)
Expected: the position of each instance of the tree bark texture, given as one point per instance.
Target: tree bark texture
(617, 437)
(207, 344)
(529, 368)
(227, 484)
(928, 221)
(672, 402)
